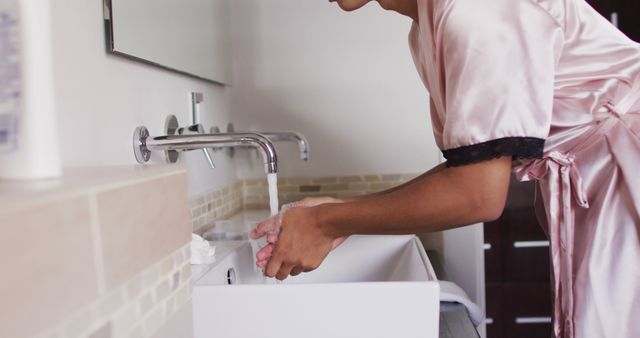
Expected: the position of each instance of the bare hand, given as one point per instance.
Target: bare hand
(271, 228)
(301, 244)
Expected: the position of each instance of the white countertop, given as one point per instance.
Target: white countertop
(75, 181)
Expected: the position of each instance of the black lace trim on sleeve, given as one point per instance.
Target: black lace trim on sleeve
(517, 147)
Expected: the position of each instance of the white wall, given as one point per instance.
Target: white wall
(345, 80)
(101, 98)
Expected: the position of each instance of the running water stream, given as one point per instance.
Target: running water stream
(272, 179)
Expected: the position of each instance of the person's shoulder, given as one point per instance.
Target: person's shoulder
(465, 15)
(554, 8)
(500, 7)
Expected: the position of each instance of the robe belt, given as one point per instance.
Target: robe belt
(612, 121)
(565, 185)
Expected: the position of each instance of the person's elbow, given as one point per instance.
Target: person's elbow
(483, 186)
(487, 208)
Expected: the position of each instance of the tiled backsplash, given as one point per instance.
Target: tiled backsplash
(253, 194)
(215, 205)
(136, 308)
(292, 189)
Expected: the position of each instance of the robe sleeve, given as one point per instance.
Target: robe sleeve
(498, 61)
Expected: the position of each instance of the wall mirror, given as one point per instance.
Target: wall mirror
(187, 36)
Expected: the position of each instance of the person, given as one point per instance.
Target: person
(546, 88)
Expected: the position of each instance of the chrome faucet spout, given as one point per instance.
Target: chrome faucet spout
(303, 144)
(144, 144)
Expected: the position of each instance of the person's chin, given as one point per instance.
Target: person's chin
(345, 6)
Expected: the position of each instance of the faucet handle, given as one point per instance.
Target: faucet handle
(198, 129)
(207, 154)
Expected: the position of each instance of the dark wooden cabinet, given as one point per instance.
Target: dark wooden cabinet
(626, 11)
(527, 309)
(517, 269)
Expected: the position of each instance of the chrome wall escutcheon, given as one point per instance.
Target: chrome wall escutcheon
(140, 150)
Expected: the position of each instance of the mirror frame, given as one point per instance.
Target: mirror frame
(110, 46)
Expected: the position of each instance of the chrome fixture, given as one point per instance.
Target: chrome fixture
(196, 99)
(197, 129)
(303, 144)
(231, 129)
(192, 138)
(171, 127)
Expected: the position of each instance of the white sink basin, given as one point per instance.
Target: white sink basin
(370, 286)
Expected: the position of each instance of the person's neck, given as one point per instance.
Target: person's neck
(405, 7)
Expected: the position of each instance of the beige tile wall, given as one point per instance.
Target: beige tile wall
(94, 258)
(253, 194)
(135, 308)
(256, 195)
(215, 205)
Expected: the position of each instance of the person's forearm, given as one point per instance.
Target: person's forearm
(432, 171)
(445, 199)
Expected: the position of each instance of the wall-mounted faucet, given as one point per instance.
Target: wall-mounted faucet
(185, 139)
(196, 99)
(303, 144)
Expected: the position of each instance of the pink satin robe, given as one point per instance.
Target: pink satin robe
(554, 70)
